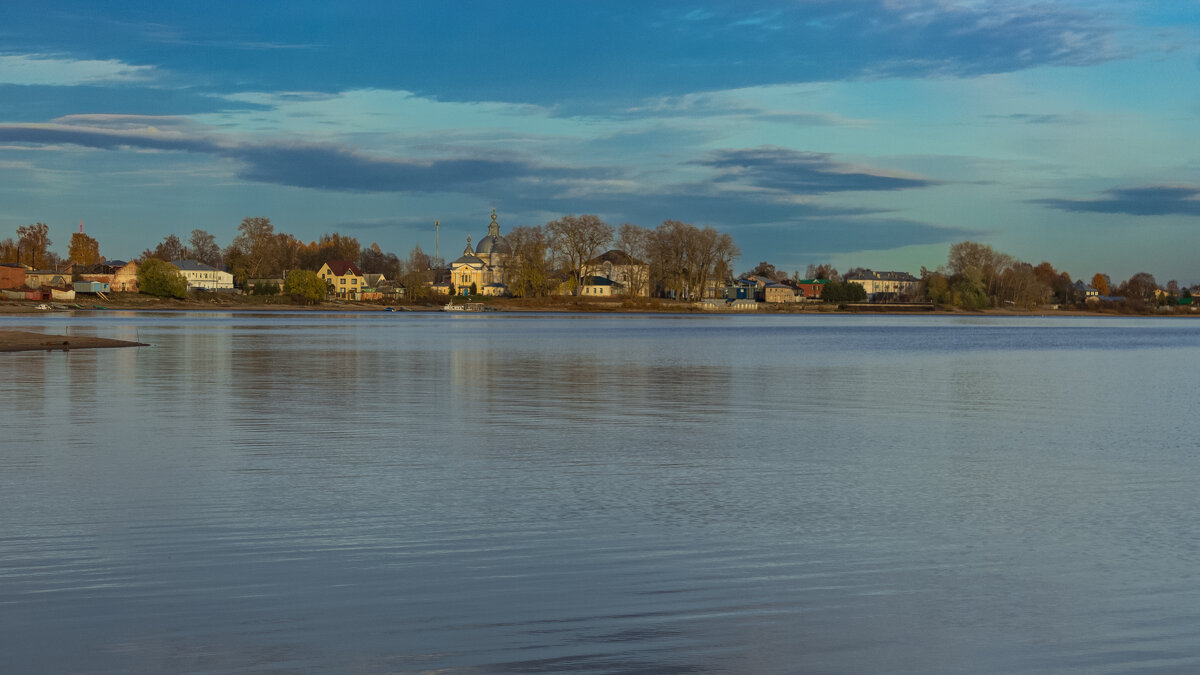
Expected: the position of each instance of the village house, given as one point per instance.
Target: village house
(93, 287)
(741, 289)
(391, 291)
(120, 276)
(602, 287)
(775, 292)
(630, 275)
(47, 278)
(882, 286)
(810, 289)
(344, 277)
(204, 277)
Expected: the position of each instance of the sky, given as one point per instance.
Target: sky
(862, 133)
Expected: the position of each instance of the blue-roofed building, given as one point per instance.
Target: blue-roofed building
(204, 277)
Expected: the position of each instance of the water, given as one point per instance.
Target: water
(377, 493)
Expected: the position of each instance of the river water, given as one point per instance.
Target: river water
(507, 493)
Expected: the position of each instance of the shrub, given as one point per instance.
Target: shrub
(266, 288)
(161, 278)
(305, 287)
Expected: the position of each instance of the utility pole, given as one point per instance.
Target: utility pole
(437, 255)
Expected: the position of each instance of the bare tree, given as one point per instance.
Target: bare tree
(250, 254)
(822, 271)
(634, 242)
(578, 239)
(669, 257)
(204, 248)
(169, 249)
(417, 274)
(374, 260)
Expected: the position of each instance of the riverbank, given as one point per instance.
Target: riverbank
(238, 303)
(22, 341)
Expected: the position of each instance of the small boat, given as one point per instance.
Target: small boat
(43, 306)
(469, 307)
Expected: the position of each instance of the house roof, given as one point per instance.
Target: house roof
(881, 276)
(341, 267)
(95, 268)
(470, 259)
(599, 281)
(615, 257)
(192, 266)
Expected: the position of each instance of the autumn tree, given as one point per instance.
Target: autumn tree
(968, 289)
(578, 239)
(32, 244)
(83, 249)
(935, 286)
(989, 262)
(8, 250)
(1100, 283)
(329, 247)
(530, 268)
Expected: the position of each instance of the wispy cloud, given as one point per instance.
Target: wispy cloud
(26, 69)
(323, 166)
(795, 172)
(1152, 200)
(1039, 118)
(729, 105)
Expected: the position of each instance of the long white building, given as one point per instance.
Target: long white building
(203, 277)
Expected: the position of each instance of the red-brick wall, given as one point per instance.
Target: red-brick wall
(12, 277)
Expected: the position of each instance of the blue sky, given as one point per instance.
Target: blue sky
(869, 133)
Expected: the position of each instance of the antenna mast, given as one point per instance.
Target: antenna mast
(437, 255)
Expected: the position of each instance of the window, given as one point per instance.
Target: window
(343, 282)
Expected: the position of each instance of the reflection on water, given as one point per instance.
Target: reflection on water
(400, 493)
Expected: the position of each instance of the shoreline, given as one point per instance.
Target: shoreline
(238, 304)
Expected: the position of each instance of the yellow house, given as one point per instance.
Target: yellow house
(344, 276)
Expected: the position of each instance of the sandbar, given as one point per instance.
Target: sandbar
(22, 341)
